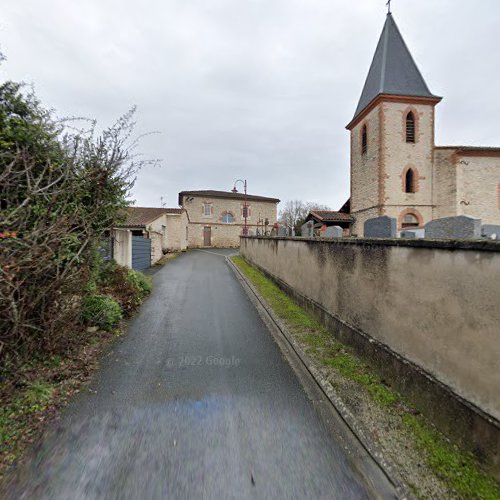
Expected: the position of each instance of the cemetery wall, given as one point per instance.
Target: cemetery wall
(427, 312)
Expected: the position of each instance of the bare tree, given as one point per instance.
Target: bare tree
(294, 213)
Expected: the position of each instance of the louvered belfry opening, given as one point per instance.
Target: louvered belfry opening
(410, 127)
(364, 140)
(410, 181)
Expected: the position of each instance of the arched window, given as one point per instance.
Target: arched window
(364, 140)
(410, 181)
(227, 218)
(410, 220)
(410, 127)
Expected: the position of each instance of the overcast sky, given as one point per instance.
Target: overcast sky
(255, 89)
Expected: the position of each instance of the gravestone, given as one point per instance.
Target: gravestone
(491, 231)
(460, 227)
(307, 230)
(407, 234)
(381, 227)
(283, 231)
(332, 232)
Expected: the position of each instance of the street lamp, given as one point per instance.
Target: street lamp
(245, 207)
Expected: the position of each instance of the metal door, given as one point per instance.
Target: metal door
(141, 253)
(207, 236)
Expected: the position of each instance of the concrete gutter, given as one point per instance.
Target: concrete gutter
(378, 472)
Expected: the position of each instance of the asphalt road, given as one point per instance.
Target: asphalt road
(196, 401)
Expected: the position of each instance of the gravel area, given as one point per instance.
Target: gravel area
(384, 427)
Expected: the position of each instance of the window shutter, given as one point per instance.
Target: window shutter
(410, 127)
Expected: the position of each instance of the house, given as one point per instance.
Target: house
(396, 168)
(147, 234)
(325, 218)
(216, 218)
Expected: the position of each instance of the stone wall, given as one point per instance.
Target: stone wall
(433, 305)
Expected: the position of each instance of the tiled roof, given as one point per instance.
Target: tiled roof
(393, 70)
(225, 194)
(174, 210)
(330, 216)
(142, 216)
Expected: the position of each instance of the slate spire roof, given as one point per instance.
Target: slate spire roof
(393, 70)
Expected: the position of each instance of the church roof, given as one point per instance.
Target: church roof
(393, 70)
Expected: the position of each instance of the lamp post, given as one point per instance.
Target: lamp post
(245, 206)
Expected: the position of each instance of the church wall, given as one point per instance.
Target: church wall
(365, 171)
(445, 183)
(478, 188)
(360, 218)
(399, 156)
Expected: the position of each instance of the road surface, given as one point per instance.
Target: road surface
(196, 401)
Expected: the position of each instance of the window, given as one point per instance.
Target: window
(227, 218)
(207, 209)
(410, 220)
(410, 181)
(410, 127)
(364, 140)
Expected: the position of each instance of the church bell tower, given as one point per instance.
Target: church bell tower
(392, 138)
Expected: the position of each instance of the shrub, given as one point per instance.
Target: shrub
(141, 282)
(102, 311)
(61, 190)
(128, 287)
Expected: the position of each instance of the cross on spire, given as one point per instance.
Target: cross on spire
(388, 6)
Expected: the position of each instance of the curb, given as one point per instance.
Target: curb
(337, 405)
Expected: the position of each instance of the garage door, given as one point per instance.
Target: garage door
(141, 253)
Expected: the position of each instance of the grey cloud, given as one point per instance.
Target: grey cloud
(248, 88)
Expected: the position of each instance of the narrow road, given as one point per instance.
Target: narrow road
(196, 401)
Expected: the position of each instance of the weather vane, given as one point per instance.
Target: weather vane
(388, 6)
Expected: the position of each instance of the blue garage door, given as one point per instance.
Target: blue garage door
(141, 253)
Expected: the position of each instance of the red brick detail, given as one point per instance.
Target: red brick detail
(412, 211)
(392, 98)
